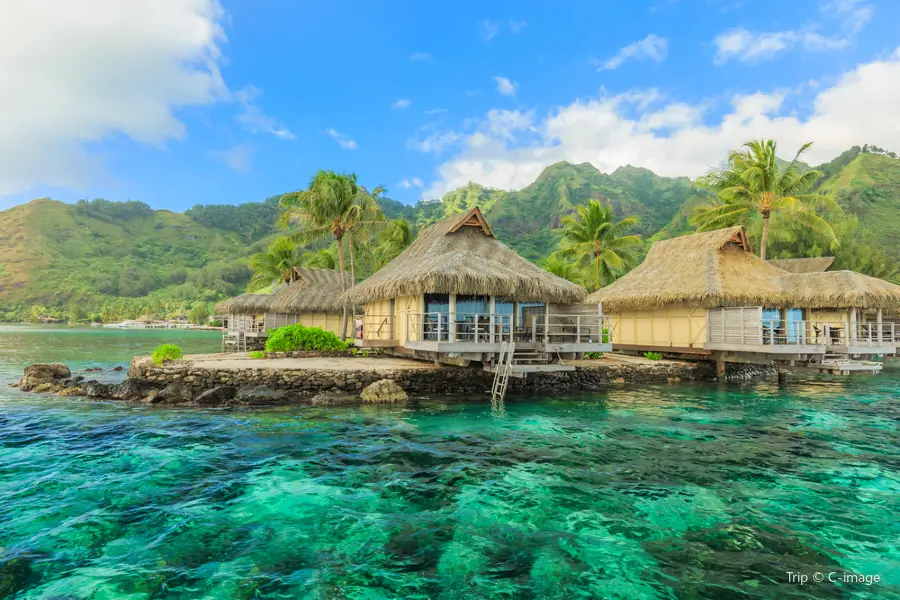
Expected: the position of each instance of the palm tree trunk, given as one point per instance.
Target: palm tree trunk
(340, 242)
(765, 237)
(352, 258)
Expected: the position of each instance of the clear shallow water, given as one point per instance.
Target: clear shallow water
(689, 491)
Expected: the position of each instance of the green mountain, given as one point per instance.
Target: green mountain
(127, 258)
(867, 185)
(125, 254)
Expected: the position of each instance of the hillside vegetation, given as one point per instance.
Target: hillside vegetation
(127, 259)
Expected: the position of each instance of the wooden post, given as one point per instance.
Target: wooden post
(533, 328)
(879, 324)
(577, 329)
(492, 318)
(451, 324)
(852, 333)
(546, 323)
(720, 364)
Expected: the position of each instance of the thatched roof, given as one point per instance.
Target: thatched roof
(842, 289)
(718, 268)
(803, 265)
(461, 255)
(709, 269)
(312, 290)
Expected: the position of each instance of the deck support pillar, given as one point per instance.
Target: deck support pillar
(451, 319)
(720, 364)
(783, 377)
(852, 333)
(879, 326)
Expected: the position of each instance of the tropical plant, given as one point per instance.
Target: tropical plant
(275, 264)
(166, 352)
(753, 183)
(394, 239)
(362, 218)
(594, 239)
(565, 268)
(257, 355)
(300, 337)
(323, 258)
(334, 205)
(652, 355)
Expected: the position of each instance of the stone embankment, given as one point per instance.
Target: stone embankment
(216, 381)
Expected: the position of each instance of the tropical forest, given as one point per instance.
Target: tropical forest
(104, 261)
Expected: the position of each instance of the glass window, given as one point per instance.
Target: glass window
(467, 304)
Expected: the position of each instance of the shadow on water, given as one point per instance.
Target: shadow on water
(672, 491)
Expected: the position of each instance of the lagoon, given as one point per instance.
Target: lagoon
(673, 491)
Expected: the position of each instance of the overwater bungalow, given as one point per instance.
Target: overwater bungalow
(310, 297)
(708, 295)
(457, 293)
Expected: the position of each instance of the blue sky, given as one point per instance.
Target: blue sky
(192, 101)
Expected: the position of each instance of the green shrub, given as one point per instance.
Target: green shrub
(604, 336)
(258, 354)
(166, 352)
(653, 356)
(298, 337)
(593, 355)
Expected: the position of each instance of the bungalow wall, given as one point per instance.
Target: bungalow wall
(332, 322)
(398, 310)
(669, 327)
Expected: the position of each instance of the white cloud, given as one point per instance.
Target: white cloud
(505, 86)
(429, 140)
(238, 157)
(411, 183)
(743, 45)
(419, 57)
(436, 111)
(652, 48)
(75, 73)
(673, 138)
(489, 30)
(342, 140)
(254, 120)
(401, 104)
(740, 44)
(515, 26)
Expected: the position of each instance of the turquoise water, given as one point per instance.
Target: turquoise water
(682, 492)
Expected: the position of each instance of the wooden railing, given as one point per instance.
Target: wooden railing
(479, 328)
(571, 329)
(863, 335)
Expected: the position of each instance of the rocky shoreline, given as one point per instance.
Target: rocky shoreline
(182, 383)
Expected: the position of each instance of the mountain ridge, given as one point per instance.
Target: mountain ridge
(126, 253)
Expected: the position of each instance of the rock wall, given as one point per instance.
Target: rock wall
(443, 380)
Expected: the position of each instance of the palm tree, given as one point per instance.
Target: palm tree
(364, 216)
(564, 268)
(334, 205)
(277, 263)
(320, 259)
(394, 240)
(754, 184)
(593, 238)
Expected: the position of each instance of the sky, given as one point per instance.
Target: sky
(183, 102)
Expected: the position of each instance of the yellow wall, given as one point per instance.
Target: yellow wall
(374, 325)
(403, 307)
(675, 327)
(408, 307)
(332, 322)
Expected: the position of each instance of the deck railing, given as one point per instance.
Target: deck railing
(570, 329)
(479, 328)
(744, 327)
(863, 335)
